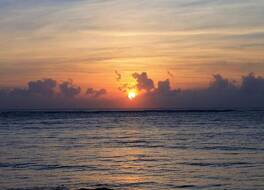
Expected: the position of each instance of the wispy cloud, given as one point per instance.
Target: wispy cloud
(95, 35)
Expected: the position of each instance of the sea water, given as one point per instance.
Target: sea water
(133, 150)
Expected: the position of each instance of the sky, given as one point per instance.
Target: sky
(91, 53)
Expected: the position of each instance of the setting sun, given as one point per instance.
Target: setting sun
(132, 94)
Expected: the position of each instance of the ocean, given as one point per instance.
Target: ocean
(132, 150)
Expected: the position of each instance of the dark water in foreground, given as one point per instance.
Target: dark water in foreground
(132, 150)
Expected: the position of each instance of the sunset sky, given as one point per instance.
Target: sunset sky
(101, 44)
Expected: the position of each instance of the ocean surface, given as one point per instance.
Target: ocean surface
(147, 150)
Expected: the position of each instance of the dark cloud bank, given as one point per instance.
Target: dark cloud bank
(221, 93)
(48, 93)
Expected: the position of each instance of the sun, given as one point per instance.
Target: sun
(132, 94)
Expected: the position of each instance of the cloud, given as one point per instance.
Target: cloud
(44, 87)
(164, 87)
(48, 93)
(124, 87)
(95, 93)
(39, 88)
(143, 82)
(221, 93)
(253, 85)
(67, 89)
(118, 75)
(220, 84)
(170, 74)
